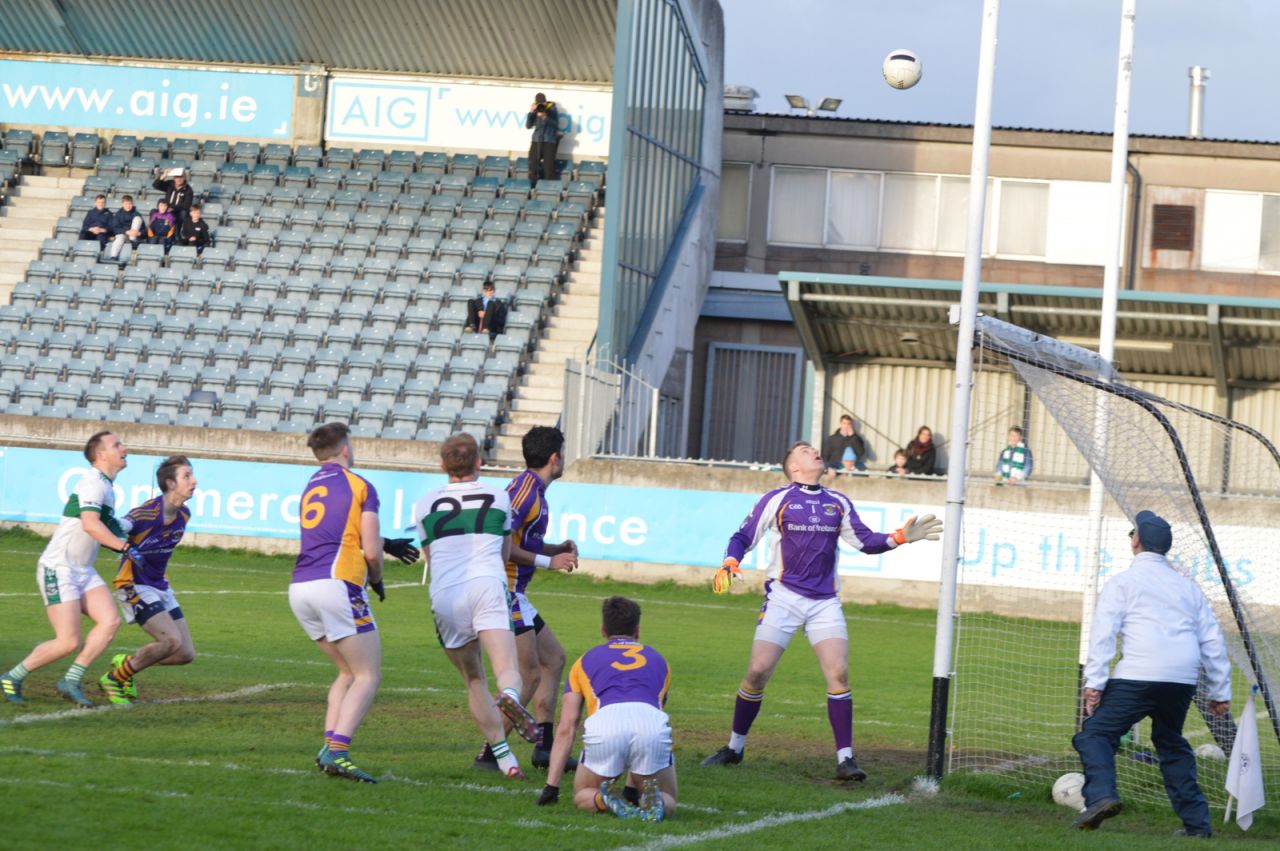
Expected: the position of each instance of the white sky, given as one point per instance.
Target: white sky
(1055, 67)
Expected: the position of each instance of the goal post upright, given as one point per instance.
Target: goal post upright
(945, 632)
(1107, 323)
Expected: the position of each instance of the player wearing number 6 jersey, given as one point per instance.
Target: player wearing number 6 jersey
(341, 547)
(806, 523)
(466, 532)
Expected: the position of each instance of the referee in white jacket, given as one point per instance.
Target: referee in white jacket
(1169, 633)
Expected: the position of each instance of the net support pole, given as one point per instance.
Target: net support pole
(944, 638)
(1107, 325)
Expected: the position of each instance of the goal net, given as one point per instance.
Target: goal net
(1032, 561)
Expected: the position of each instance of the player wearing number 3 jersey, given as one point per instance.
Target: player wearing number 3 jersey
(340, 548)
(466, 532)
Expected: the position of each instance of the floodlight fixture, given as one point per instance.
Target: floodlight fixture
(797, 102)
(829, 104)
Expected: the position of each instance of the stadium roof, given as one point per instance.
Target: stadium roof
(566, 40)
(852, 319)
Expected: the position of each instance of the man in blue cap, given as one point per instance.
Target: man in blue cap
(1169, 633)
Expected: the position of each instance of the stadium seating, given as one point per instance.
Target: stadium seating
(335, 288)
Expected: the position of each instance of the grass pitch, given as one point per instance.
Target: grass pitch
(218, 754)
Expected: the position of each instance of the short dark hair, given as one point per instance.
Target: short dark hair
(487, 285)
(193, 207)
(1018, 429)
(844, 417)
(168, 471)
(160, 201)
(459, 454)
(124, 198)
(786, 456)
(99, 197)
(539, 98)
(93, 445)
(539, 444)
(327, 440)
(620, 616)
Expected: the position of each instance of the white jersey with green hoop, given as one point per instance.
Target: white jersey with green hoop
(463, 526)
(70, 545)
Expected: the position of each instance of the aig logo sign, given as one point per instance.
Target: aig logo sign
(364, 111)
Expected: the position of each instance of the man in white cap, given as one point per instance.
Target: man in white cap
(177, 194)
(1169, 633)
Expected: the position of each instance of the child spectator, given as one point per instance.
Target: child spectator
(97, 222)
(921, 453)
(195, 231)
(160, 230)
(127, 229)
(1014, 463)
(899, 467)
(844, 449)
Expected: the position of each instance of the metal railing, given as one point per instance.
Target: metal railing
(611, 410)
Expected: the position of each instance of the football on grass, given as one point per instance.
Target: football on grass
(1067, 790)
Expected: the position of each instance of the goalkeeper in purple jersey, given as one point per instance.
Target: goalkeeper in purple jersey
(807, 523)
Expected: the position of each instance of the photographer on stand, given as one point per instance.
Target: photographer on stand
(544, 120)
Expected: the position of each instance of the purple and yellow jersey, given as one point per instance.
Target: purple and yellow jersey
(622, 670)
(157, 541)
(330, 518)
(807, 523)
(528, 524)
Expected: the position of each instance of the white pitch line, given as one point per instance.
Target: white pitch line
(99, 710)
(743, 828)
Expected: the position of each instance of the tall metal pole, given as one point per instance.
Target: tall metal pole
(944, 636)
(1107, 327)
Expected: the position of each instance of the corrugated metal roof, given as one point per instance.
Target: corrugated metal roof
(849, 318)
(567, 40)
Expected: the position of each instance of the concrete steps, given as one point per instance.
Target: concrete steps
(30, 216)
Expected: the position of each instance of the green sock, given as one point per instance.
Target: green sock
(19, 672)
(75, 673)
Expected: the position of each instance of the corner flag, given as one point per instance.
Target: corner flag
(1244, 776)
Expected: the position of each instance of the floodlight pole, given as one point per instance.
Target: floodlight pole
(945, 633)
(1107, 327)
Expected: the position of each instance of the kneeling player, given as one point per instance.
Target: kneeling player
(466, 531)
(143, 587)
(624, 685)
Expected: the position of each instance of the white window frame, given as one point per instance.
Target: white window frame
(751, 170)
(826, 200)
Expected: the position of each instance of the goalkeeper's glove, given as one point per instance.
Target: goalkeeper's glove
(926, 528)
(401, 548)
(133, 554)
(550, 794)
(724, 577)
(379, 589)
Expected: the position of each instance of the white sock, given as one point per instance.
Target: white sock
(843, 754)
(506, 759)
(737, 741)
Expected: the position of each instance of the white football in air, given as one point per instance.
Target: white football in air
(1067, 790)
(902, 69)
(1210, 751)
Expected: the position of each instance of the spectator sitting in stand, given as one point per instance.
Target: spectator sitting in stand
(1014, 464)
(178, 194)
(899, 467)
(195, 231)
(922, 454)
(487, 312)
(97, 222)
(161, 229)
(127, 230)
(844, 449)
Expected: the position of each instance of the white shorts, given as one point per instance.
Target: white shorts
(140, 603)
(784, 611)
(627, 736)
(63, 584)
(524, 616)
(464, 610)
(330, 608)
